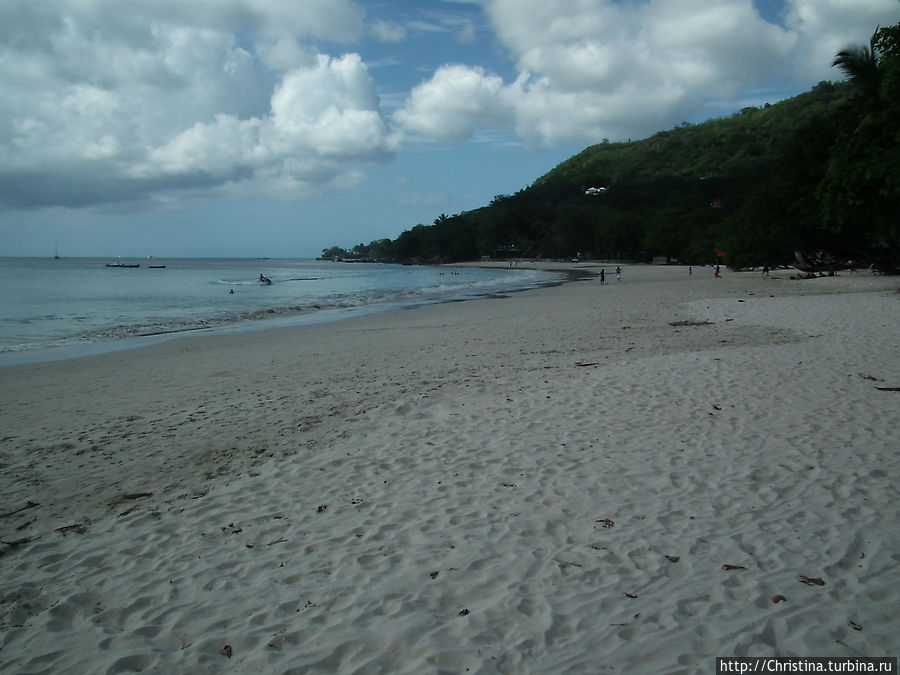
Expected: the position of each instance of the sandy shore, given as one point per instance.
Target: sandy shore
(635, 477)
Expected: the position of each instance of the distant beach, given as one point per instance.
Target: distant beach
(631, 477)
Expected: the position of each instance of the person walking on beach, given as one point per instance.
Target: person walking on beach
(618, 273)
(602, 276)
(765, 270)
(717, 272)
(690, 271)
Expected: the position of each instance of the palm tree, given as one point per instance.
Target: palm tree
(862, 67)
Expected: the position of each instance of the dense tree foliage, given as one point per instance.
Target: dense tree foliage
(818, 173)
(860, 191)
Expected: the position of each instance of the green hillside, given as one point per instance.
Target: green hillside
(818, 173)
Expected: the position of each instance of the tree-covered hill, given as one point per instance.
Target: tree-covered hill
(818, 173)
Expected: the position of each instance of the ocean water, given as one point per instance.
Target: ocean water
(60, 308)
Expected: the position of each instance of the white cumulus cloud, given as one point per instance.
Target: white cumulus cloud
(454, 102)
(132, 102)
(588, 69)
(824, 27)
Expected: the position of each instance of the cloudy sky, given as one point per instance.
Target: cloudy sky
(279, 127)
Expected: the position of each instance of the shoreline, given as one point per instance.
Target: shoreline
(77, 346)
(498, 484)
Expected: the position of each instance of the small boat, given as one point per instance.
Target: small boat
(118, 264)
(156, 267)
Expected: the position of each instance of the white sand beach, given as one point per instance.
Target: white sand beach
(632, 478)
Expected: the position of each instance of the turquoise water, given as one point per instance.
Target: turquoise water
(67, 307)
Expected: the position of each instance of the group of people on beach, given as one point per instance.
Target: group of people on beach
(717, 273)
(603, 274)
